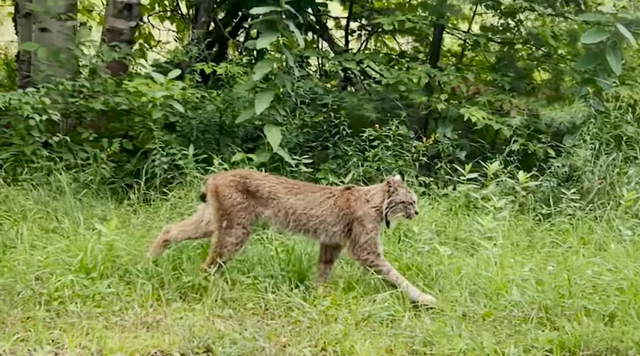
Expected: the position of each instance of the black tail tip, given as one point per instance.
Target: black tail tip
(203, 197)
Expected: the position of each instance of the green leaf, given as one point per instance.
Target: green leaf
(158, 94)
(174, 73)
(266, 38)
(607, 9)
(588, 60)
(42, 52)
(261, 155)
(295, 31)
(263, 100)
(29, 46)
(594, 17)
(614, 57)
(263, 10)
(290, 61)
(176, 105)
(283, 80)
(594, 35)
(274, 135)
(238, 156)
(158, 77)
(245, 115)
(261, 69)
(244, 86)
(627, 34)
(348, 178)
(289, 8)
(285, 155)
(604, 84)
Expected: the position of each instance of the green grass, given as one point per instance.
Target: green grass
(73, 278)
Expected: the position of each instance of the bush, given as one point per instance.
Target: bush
(150, 131)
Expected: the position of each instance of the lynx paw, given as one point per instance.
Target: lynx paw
(205, 268)
(426, 300)
(154, 252)
(210, 268)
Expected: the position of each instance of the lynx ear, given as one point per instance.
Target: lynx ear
(397, 177)
(392, 185)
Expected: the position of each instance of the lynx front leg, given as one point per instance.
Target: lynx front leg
(196, 227)
(369, 256)
(328, 256)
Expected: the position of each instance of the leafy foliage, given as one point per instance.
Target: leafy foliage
(348, 96)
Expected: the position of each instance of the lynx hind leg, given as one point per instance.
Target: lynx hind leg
(327, 258)
(231, 237)
(369, 255)
(198, 226)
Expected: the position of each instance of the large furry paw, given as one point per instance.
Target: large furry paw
(206, 268)
(156, 249)
(210, 268)
(154, 252)
(426, 300)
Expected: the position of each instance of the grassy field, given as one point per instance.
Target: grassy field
(74, 279)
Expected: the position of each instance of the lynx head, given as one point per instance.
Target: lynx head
(400, 202)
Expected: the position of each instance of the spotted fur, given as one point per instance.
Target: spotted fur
(339, 218)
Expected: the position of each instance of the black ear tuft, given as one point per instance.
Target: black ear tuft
(391, 185)
(203, 197)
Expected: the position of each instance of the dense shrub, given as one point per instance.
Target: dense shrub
(536, 119)
(149, 130)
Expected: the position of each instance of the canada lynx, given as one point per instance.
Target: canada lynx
(337, 217)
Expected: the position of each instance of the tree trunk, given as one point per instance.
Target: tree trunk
(121, 21)
(222, 52)
(324, 33)
(203, 14)
(440, 15)
(54, 29)
(22, 18)
(348, 25)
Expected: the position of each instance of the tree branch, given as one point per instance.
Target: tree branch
(364, 43)
(181, 14)
(348, 25)
(324, 33)
(333, 17)
(222, 52)
(466, 43)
